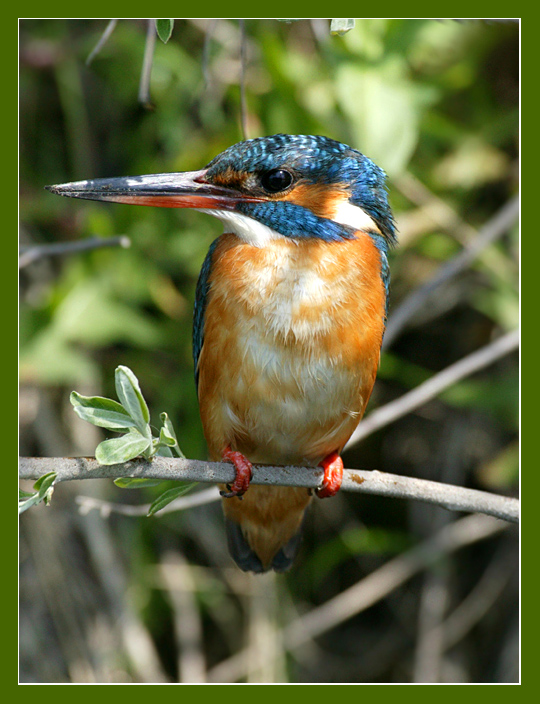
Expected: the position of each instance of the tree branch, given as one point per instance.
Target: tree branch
(451, 497)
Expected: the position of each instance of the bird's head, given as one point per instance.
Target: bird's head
(294, 186)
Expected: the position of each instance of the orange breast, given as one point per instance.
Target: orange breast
(291, 346)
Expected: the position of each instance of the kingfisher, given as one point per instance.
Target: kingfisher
(289, 316)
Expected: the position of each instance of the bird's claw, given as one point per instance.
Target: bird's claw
(243, 468)
(333, 476)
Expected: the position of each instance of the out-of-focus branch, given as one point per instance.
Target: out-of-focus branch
(102, 41)
(493, 229)
(243, 104)
(146, 72)
(369, 482)
(30, 254)
(199, 498)
(368, 591)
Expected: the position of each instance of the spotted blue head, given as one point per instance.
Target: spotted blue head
(305, 186)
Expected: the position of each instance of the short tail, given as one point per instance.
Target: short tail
(264, 527)
(247, 559)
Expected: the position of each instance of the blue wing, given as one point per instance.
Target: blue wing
(201, 295)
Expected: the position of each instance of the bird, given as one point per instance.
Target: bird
(290, 310)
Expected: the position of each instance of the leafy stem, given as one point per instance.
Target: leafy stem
(130, 417)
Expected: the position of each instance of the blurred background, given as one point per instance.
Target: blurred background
(384, 590)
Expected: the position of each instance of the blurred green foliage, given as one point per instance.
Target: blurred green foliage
(434, 103)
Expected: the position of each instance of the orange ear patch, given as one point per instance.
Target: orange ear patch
(321, 199)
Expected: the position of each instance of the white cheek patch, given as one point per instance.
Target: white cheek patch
(352, 215)
(251, 231)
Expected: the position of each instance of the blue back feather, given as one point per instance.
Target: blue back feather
(199, 309)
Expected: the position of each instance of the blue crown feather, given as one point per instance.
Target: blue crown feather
(314, 159)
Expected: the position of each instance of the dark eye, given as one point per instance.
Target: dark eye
(276, 180)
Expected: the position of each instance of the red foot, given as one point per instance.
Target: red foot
(243, 469)
(333, 475)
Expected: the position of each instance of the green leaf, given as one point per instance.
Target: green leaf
(166, 439)
(341, 26)
(136, 482)
(122, 449)
(169, 496)
(168, 434)
(131, 398)
(100, 402)
(103, 412)
(164, 29)
(44, 489)
(167, 426)
(25, 504)
(45, 481)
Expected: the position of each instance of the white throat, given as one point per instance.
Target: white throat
(251, 231)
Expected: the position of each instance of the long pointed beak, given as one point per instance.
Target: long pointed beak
(176, 190)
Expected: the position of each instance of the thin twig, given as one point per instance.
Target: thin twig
(378, 584)
(101, 43)
(199, 498)
(243, 106)
(435, 385)
(493, 229)
(368, 591)
(146, 72)
(28, 255)
(225, 33)
(355, 480)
